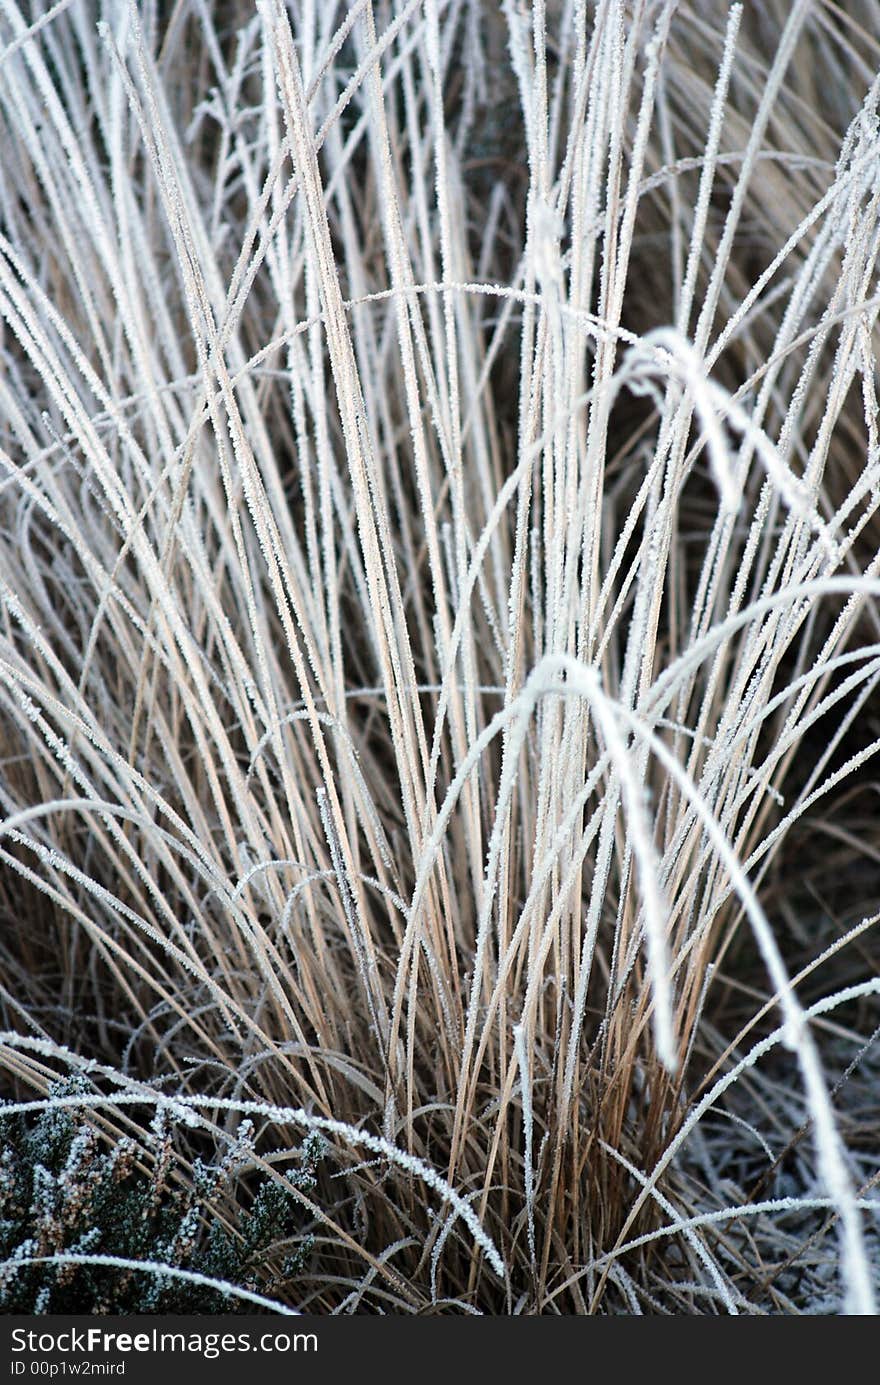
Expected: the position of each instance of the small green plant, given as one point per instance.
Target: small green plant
(64, 1193)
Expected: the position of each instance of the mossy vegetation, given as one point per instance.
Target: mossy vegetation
(66, 1194)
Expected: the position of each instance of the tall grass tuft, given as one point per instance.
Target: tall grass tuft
(440, 637)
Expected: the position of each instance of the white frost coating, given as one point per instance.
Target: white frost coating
(186, 1108)
(153, 1267)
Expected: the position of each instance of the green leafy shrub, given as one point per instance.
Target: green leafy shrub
(63, 1192)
